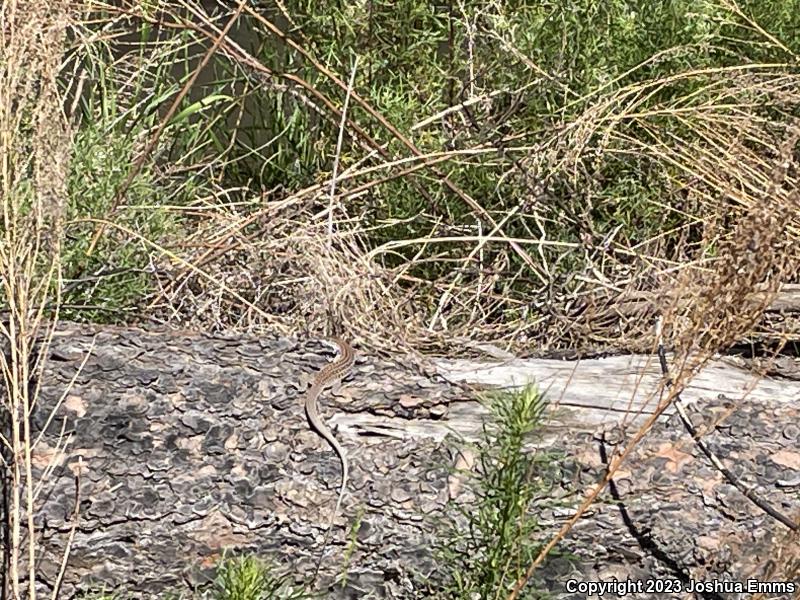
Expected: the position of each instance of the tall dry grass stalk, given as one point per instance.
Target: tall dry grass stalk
(34, 146)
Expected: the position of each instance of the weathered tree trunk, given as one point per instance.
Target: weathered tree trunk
(185, 446)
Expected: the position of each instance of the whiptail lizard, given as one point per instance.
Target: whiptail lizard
(329, 375)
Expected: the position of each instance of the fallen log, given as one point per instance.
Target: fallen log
(186, 446)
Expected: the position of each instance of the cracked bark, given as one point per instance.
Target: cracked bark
(191, 445)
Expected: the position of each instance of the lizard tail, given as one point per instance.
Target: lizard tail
(335, 512)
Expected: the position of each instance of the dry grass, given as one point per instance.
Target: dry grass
(721, 168)
(289, 254)
(784, 562)
(34, 144)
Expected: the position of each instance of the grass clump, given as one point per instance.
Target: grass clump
(251, 578)
(489, 543)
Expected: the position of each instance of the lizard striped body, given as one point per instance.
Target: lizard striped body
(329, 375)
